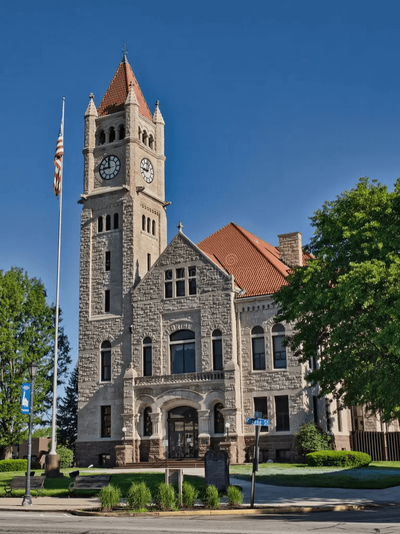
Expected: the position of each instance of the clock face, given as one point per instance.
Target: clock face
(109, 167)
(146, 168)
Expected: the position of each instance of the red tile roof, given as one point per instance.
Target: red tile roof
(118, 90)
(254, 263)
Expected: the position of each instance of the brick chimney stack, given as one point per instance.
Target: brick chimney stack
(290, 249)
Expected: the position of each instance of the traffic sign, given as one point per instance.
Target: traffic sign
(257, 422)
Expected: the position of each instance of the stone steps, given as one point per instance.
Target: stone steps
(171, 464)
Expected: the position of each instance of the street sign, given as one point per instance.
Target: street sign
(257, 422)
(26, 394)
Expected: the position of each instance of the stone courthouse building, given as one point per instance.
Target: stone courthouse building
(177, 342)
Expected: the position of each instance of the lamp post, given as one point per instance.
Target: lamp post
(227, 426)
(27, 500)
(124, 431)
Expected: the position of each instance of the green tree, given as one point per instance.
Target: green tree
(346, 301)
(67, 413)
(27, 326)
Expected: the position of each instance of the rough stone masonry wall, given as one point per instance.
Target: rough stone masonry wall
(290, 249)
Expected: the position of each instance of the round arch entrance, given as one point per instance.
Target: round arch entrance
(183, 430)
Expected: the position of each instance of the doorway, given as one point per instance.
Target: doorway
(182, 433)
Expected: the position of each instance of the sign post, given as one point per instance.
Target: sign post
(258, 422)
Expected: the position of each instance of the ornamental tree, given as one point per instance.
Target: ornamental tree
(27, 326)
(346, 301)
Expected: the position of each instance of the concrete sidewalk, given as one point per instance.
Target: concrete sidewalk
(281, 497)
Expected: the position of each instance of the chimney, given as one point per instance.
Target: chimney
(290, 249)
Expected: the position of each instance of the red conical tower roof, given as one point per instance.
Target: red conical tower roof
(118, 90)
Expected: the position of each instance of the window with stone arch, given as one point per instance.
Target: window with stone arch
(147, 357)
(147, 424)
(111, 134)
(100, 224)
(144, 137)
(153, 227)
(279, 350)
(121, 132)
(144, 223)
(151, 142)
(101, 137)
(105, 363)
(258, 348)
(219, 422)
(183, 354)
(140, 133)
(148, 224)
(108, 222)
(116, 221)
(217, 350)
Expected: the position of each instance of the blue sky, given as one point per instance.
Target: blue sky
(271, 108)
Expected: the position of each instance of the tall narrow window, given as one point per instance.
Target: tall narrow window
(192, 280)
(148, 224)
(107, 301)
(180, 282)
(261, 405)
(278, 335)
(147, 357)
(100, 224)
(108, 222)
(144, 137)
(339, 416)
(112, 134)
(183, 352)
(282, 413)
(217, 350)
(258, 348)
(315, 408)
(108, 260)
(147, 424)
(153, 227)
(102, 137)
(151, 141)
(219, 423)
(116, 221)
(143, 222)
(105, 421)
(122, 132)
(105, 361)
(168, 284)
(148, 262)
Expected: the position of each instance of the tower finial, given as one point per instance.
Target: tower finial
(124, 51)
(180, 226)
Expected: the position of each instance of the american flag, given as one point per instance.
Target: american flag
(58, 163)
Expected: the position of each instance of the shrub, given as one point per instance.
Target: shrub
(13, 465)
(310, 438)
(211, 499)
(66, 456)
(338, 458)
(189, 495)
(165, 497)
(139, 496)
(109, 497)
(35, 465)
(235, 495)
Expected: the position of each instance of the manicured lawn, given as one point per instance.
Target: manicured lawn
(377, 475)
(58, 487)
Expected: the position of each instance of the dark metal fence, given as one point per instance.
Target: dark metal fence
(380, 446)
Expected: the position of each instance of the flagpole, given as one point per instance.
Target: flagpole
(53, 425)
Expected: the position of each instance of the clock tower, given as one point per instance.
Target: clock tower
(123, 231)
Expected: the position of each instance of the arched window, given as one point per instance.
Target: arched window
(140, 133)
(143, 222)
(111, 134)
(219, 423)
(122, 132)
(217, 350)
(100, 224)
(151, 142)
(144, 137)
(108, 222)
(105, 361)
(147, 357)
(182, 347)
(258, 348)
(116, 221)
(278, 335)
(101, 137)
(153, 227)
(148, 224)
(147, 424)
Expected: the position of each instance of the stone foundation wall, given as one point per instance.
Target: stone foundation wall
(88, 452)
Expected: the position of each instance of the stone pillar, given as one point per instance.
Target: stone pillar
(124, 454)
(231, 448)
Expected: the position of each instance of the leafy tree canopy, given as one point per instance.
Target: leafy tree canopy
(346, 301)
(27, 326)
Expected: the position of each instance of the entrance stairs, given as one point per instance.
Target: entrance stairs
(173, 463)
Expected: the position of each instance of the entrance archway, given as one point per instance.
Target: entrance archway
(183, 430)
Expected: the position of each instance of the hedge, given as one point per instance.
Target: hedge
(338, 458)
(13, 465)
